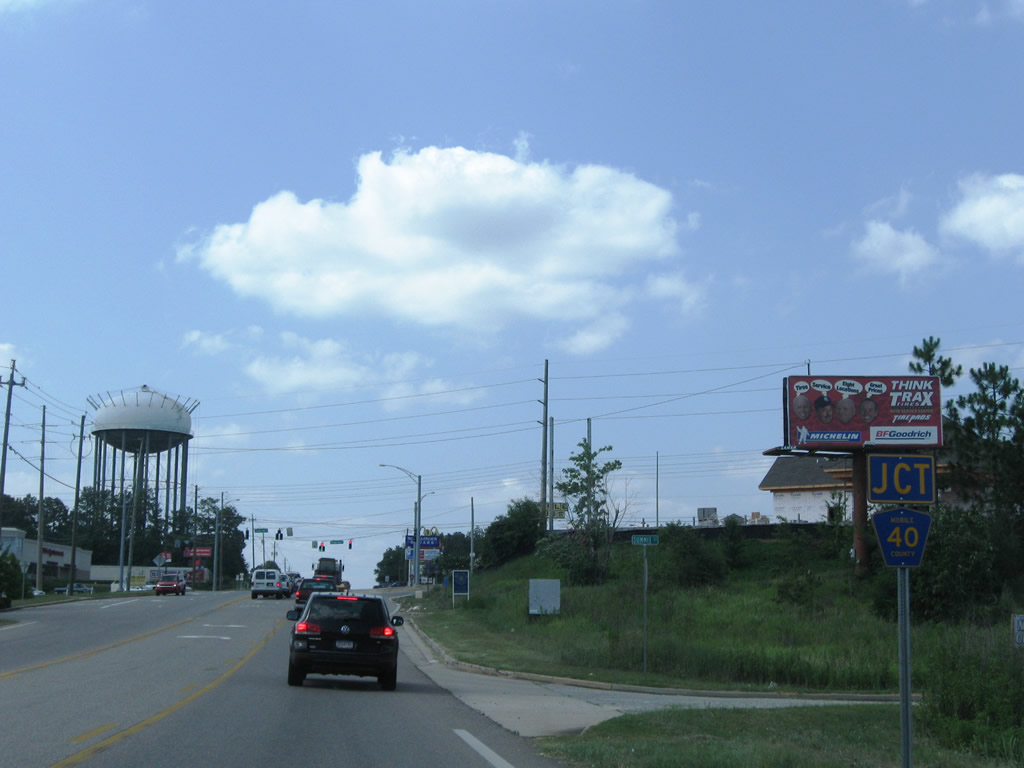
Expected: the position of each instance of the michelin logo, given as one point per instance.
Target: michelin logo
(804, 435)
(904, 434)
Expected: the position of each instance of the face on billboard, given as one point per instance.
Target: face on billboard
(846, 413)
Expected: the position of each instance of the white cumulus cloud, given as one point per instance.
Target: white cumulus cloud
(450, 237)
(903, 253)
(990, 213)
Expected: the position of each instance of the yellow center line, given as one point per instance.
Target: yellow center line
(94, 732)
(94, 651)
(80, 757)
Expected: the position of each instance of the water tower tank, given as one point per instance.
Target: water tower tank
(143, 420)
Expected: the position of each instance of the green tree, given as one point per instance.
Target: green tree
(454, 553)
(513, 534)
(985, 436)
(393, 566)
(592, 519)
(10, 577)
(928, 361)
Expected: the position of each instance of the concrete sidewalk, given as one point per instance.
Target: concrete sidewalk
(539, 705)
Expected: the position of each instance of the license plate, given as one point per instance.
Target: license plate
(345, 645)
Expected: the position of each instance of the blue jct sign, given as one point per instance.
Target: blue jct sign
(902, 534)
(893, 478)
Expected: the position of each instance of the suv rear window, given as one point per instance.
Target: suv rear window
(260, 575)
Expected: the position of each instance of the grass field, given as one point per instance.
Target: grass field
(740, 635)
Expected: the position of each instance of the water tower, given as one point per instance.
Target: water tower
(147, 426)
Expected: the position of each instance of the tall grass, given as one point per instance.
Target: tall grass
(738, 634)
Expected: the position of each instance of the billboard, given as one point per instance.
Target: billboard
(849, 412)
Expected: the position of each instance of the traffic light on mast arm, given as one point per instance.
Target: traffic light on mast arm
(350, 543)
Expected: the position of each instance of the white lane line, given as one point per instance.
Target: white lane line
(229, 626)
(15, 626)
(115, 605)
(482, 749)
(202, 637)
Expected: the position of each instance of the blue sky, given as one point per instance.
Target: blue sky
(354, 232)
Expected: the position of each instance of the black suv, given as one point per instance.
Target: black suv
(338, 634)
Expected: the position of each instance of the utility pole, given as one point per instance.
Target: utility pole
(7, 427)
(216, 543)
(544, 443)
(551, 473)
(74, 516)
(40, 527)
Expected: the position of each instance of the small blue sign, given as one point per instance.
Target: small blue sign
(904, 479)
(902, 534)
(460, 582)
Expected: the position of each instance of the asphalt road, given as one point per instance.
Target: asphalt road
(200, 679)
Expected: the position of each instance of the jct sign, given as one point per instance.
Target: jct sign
(901, 479)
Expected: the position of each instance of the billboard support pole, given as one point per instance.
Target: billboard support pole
(860, 512)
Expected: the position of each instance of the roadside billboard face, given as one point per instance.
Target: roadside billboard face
(847, 412)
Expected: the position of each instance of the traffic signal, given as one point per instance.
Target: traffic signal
(350, 543)
(246, 534)
(278, 535)
(322, 547)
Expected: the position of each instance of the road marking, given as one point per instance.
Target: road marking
(482, 749)
(95, 651)
(15, 626)
(80, 757)
(202, 637)
(115, 605)
(94, 732)
(229, 626)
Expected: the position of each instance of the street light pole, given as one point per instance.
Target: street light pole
(416, 520)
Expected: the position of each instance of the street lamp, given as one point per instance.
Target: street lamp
(416, 520)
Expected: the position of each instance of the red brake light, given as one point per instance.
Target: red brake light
(385, 632)
(307, 628)
(346, 597)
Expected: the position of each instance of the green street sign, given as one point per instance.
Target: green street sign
(337, 541)
(645, 540)
(261, 530)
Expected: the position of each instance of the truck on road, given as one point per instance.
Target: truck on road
(329, 567)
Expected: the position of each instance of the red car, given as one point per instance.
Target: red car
(171, 585)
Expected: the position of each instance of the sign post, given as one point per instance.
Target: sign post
(902, 534)
(645, 541)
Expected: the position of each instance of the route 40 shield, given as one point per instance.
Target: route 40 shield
(902, 534)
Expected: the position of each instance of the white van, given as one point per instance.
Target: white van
(267, 582)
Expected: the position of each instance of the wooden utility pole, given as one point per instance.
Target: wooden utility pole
(7, 427)
(39, 517)
(544, 443)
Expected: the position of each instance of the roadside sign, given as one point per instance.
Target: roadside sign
(904, 479)
(203, 551)
(460, 582)
(1018, 631)
(902, 534)
(425, 541)
(645, 539)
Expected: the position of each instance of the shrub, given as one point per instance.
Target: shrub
(975, 696)
(686, 559)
